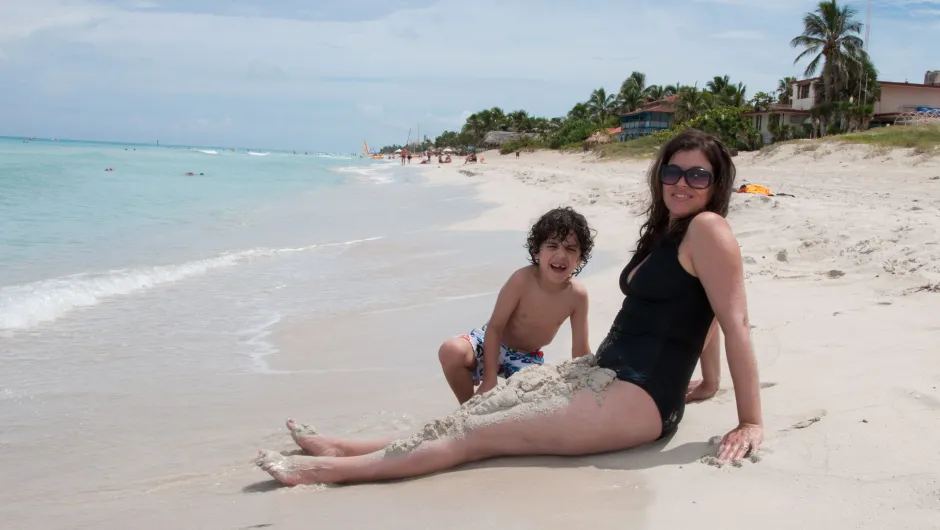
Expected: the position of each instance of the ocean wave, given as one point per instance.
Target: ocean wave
(28, 305)
(256, 339)
(207, 151)
(257, 154)
(375, 173)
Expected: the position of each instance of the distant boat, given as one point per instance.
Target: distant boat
(370, 154)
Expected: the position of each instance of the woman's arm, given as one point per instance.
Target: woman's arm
(716, 259)
(707, 386)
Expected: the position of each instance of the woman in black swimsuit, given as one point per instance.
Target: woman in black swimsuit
(686, 274)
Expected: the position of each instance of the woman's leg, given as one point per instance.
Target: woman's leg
(314, 444)
(620, 417)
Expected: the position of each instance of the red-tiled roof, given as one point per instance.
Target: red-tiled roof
(616, 130)
(888, 83)
(654, 108)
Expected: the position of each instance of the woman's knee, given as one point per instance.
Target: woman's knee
(455, 351)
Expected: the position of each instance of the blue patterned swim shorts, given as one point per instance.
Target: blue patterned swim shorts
(510, 360)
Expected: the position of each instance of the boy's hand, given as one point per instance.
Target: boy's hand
(485, 386)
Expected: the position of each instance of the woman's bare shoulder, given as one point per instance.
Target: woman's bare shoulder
(710, 237)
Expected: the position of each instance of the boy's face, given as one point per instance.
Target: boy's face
(559, 259)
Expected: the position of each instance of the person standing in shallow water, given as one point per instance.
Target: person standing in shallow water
(686, 274)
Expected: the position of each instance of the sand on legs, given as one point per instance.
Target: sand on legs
(314, 444)
(572, 408)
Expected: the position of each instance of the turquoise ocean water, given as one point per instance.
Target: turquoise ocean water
(115, 282)
(141, 311)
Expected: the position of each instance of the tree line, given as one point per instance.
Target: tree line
(847, 88)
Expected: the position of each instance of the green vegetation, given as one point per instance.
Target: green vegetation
(844, 103)
(923, 139)
(644, 147)
(526, 143)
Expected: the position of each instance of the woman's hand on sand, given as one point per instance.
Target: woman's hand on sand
(744, 439)
(699, 390)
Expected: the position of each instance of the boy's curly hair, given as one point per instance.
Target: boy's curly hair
(555, 225)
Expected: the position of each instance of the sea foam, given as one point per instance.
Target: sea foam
(27, 305)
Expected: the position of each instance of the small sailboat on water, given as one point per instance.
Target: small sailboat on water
(370, 154)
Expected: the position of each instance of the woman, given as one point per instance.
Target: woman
(686, 273)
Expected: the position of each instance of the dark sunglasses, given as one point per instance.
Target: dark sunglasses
(695, 177)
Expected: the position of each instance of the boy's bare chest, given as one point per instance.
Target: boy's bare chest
(543, 310)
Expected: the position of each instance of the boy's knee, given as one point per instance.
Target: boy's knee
(454, 351)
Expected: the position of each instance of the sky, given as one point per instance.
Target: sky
(281, 74)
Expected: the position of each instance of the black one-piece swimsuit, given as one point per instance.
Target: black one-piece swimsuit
(658, 335)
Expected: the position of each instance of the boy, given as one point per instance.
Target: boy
(530, 308)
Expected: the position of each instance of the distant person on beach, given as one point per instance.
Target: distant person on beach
(530, 308)
(684, 280)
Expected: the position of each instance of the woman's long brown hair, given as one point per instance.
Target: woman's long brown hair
(657, 225)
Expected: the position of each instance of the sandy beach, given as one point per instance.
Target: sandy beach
(844, 327)
(842, 289)
(842, 281)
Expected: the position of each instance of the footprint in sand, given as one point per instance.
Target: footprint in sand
(725, 395)
(814, 418)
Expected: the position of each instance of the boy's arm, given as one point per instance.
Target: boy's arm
(506, 303)
(580, 344)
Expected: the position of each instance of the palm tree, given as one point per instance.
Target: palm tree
(831, 34)
(734, 95)
(601, 105)
(579, 111)
(637, 80)
(654, 92)
(718, 84)
(783, 90)
(630, 99)
(519, 121)
(692, 101)
(631, 95)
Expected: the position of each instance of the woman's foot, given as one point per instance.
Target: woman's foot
(290, 470)
(310, 441)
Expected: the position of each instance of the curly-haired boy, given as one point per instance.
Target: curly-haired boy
(530, 308)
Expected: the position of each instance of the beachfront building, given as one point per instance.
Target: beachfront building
(648, 119)
(896, 98)
(767, 121)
